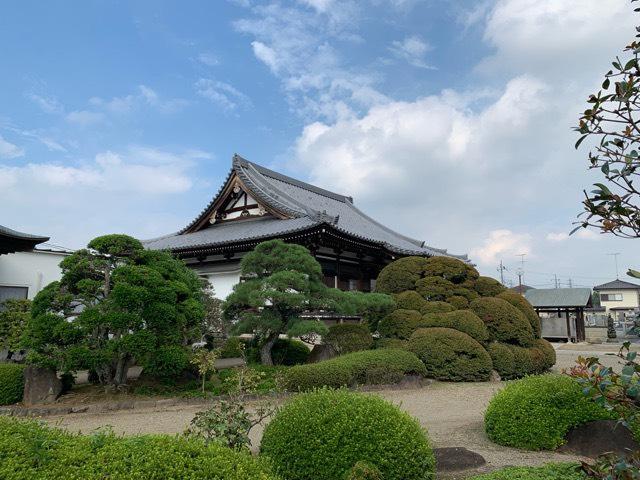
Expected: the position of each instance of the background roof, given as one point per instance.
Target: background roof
(617, 285)
(558, 297)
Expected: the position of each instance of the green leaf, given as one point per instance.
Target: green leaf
(606, 84)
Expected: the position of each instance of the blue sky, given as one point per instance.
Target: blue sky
(448, 121)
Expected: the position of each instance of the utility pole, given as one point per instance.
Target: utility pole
(501, 269)
(615, 257)
(520, 271)
(555, 280)
(570, 284)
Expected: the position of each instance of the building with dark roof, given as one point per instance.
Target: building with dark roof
(552, 304)
(12, 241)
(256, 204)
(619, 297)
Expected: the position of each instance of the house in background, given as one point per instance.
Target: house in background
(257, 204)
(24, 269)
(620, 299)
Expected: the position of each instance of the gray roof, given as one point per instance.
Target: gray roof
(617, 285)
(307, 206)
(14, 241)
(558, 297)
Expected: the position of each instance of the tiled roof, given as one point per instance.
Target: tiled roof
(617, 285)
(14, 241)
(558, 297)
(307, 206)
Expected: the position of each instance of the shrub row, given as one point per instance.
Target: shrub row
(359, 368)
(331, 435)
(512, 361)
(11, 383)
(535, 413)
(551, 471)
(504, 321)
(28, 449)
(402, 323)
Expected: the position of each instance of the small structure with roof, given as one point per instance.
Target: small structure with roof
(620, 298)
(256, 204)
(561, 311)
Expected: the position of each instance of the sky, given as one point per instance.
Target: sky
(450, 122)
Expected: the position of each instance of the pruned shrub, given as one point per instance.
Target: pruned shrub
(399, 324)
(289, 352)
(323, 434)
(11, 383)
(167, 363)
(535, 413)
(231, 348)
(434, 288)
(437, 307)
(380, 366)
(550, 471)
(349, 337)
(29, 449)
(401, 275)
(488, 287)
(450, 355)
(503, 360)
(458, 302)
(452, 269)
(525, 307)
(462, 320)
(391, 343)
(467, 293)
(504, 321)
(410, 300)
(547, 350)
(363, 471)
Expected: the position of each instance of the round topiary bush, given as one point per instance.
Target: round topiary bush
(547, 350)
(503, 360)
(391, 343)
(452, 269)
(504, 321)
(410, 300)
(488, 287)
(399, 324)
(437, 307)
(462, 320)
(289, 352)
(525, 307)
(167, 363)
(349, 337)
(434, 288)
(535, 413)
(323, 434)
(458, 302)
(450, 355)
(467, 293)
(231, 348)
(11, 383)
(401, 275)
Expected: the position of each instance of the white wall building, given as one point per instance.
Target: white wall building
(619, 298)
(24, 274)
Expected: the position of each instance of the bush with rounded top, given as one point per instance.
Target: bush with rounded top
(29, 449)
(231, 348)
(504, 321)
(434, 288)
(525, 307)
(437, 307)
(380, 366)
(467, 293)
(323, 434)
(535, 413)
(458, 302)
(547, 350)
(462, 320)
(503, 360)
(410, 300)
(167, 362)
(401, 275)
(349, 337)
(399, 324)
(288, 351)
(363, 471)
(11, 383)
(451, 269)
(450, 355)
(391, 343)
(488, 287)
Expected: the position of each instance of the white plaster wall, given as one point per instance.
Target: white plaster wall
(34, 270)
(223, 282)
(629, 299)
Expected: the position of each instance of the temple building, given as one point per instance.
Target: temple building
(256, 204)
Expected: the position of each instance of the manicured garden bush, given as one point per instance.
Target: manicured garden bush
(458, 302)
(452, 269)
(548, 352)
(289, 352)
(349, 337)
(410, 300)
(29, 449)
(231, 348)
(535, 413)
(551, 471)
(503, 360)
(467, 293)
(462, 320)
(434, 288)
(488, 287)
(401, 275)
(437, 307)
(450, 354)
(391, 343)
(525, 307)
(11, 383)
(363, 471)
(399, 324)
(513, 361)
(359, 368)
(504, 321)
(167, 363)
(322, 435)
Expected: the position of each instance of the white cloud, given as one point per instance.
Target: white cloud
(48, 104)
(266, 55)
(222, 94)
(557, 237)
(85, 118)
(145, 96)
(501, 244)
(412, 49)
(9, 150)
(209, 59)
(583, 233)
(319, 5)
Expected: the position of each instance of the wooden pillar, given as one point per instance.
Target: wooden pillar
(336, 278)
(568, 326)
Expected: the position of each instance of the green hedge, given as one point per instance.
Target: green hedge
(488, 287)
(551, 471)
(410, 300)
(349, 337)
(322, 435)
(504, 321)
(451, 355)
(401, 275)
(434, 288)
(452, 269)
(399, 324)
(462, 320)
(437, 307)
(525, 307)
(512, 361)
(503, 360)
(458, 302)
(231, 348)
(289, 352)
(359, 368)
(28, 449)
(11, 383)
(535, 413)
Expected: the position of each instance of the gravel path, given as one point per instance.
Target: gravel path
(451, 412)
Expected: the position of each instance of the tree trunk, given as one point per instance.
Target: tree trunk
(265, 350)
(122, 368)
